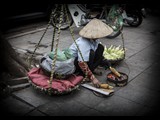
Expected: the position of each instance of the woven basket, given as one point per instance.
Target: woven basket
(116, 60)
(116, 82)
(40, 82)
(52, 91)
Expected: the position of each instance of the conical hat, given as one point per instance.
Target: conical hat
(95, 29)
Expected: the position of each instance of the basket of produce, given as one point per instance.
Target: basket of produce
(114, 54)
(116, 81)
(40, 81)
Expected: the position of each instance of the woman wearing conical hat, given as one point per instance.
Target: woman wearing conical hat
(91, 49)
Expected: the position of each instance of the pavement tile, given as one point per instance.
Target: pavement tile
(35, 113)
(145, 47)
(129, 34)
(140, 95)
(139, 62)
(149, 54)
(146, 111)
(65, 40)
(118, 106)
(138, 45)
(10, 106)
(88, 98)
(32, 96)
(51, 109)
(150, 81)
(155, 68)
(38, 98)
(93, 112)
(130, 52)
(65, 108)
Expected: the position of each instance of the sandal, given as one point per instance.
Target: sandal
(97, 72)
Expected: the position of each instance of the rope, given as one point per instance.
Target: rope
(54, 33)
(56, 49)
(36, 47)
(125, 52)
(123, 44)
(71, 31)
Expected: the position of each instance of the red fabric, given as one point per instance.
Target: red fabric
(37, 77)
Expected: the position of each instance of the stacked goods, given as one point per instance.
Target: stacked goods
(114, 80)
(113, 53)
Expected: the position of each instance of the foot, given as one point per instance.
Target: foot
(97, 72)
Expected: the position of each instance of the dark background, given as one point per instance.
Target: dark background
(15, 12)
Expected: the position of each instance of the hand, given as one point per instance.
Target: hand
(96, 83)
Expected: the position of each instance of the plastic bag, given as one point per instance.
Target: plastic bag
(68, 53)
(66, 67)
(60, 55)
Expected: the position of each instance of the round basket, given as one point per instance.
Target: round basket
(52, 91)
(40, 81)
(115, 61)
(113, 80)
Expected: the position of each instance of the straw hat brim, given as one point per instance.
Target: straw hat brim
(95, 29)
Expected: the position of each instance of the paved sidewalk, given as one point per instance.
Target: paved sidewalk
(139, 97)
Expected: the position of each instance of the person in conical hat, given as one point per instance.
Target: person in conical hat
(90, 48)
(95, 29)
